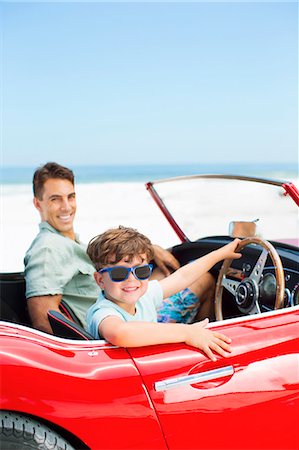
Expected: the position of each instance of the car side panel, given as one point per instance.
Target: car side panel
(94, 392)
(254, 406)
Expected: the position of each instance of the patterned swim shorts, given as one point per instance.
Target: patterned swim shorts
(181, 307)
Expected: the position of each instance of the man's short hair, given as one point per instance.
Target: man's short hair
(115, 244)
(47, 171)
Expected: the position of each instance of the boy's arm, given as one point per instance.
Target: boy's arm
(189, 273)
(139, 334)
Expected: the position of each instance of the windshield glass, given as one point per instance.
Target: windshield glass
(207, 206)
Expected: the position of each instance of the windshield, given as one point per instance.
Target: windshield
(204, 206)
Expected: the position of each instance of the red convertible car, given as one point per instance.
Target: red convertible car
(69, 391)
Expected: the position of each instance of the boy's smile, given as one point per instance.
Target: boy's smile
(124, 293)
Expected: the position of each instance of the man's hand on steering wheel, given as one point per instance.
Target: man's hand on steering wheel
(166, 262)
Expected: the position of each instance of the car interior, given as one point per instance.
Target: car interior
(288, 254)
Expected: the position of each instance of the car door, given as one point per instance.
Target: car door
(248, 400)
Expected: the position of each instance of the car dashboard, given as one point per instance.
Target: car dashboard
(242, 267)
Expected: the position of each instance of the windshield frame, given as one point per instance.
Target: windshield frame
(289, 189)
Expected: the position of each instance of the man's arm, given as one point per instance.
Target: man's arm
(139, 334)
(38, 308)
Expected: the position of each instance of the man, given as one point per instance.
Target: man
(56, 264)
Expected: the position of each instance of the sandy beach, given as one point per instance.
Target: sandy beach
(105, 205)
(100, 206)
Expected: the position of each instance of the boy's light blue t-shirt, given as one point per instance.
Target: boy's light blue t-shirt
(146, 309)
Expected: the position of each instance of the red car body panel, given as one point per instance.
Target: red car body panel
(246, 407)
(93, 391)
(292, 190)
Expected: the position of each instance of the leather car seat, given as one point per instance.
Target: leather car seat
(65, 328)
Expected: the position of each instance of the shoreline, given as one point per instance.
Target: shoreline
(148, 172)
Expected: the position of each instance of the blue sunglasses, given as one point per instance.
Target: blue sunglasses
(121, 273)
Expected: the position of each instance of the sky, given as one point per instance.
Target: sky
(149, 82)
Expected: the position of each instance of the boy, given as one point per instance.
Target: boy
(125, 314)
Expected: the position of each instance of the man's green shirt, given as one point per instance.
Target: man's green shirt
(55, 264)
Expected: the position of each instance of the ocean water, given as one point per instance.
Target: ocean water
(143, 173)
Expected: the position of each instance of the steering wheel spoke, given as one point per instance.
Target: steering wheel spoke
(255, 308)
(246, 292)
(259, 267)
(230, 285)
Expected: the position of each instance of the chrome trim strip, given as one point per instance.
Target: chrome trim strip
(224, 176)
(193, 379)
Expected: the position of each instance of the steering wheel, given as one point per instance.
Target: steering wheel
(246, 291)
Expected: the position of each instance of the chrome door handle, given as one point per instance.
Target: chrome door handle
(193, 379)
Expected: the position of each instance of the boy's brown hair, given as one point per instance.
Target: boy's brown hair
(116, 243)
(44, 173)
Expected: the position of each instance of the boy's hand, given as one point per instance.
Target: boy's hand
(228, 251)
(208, 341)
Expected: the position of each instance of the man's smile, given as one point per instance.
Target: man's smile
(65, 217)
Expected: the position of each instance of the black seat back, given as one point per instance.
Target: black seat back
(13, 304)
(65, 328)
(13, 308)
(69, 313)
